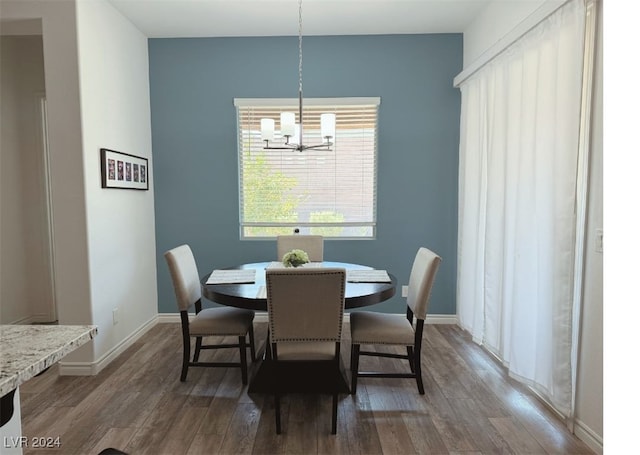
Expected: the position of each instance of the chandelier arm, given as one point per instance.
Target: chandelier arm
(309, 147)
(299, 148)
(280, 147)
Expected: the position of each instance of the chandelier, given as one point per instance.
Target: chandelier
(291, 130)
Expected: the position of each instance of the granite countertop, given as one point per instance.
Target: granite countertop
(26, 350)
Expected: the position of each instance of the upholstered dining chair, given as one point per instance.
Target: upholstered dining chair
(371, 328)
(313, 245)
(305, 309)
(219, 322)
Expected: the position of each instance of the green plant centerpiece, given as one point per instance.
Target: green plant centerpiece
(295, 258)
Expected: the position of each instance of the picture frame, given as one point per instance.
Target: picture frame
(123, 170)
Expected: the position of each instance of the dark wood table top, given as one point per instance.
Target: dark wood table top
(246, 295)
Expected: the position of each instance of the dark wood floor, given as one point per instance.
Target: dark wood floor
(137, 404)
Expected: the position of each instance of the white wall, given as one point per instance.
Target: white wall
(114, 87)
(487, 30)
(104, 238)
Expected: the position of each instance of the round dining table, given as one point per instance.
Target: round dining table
(251, 295)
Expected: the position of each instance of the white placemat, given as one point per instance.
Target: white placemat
(368, 276)
(232, 276)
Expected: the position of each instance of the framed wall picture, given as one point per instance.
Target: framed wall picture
(122, 170)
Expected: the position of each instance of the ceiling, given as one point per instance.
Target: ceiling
(199, 18)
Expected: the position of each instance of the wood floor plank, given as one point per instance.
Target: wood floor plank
(477, 425)
(516, 435)
(363, 437)
(424, 435)
(433, 337)
(48, 423)
(302, 424)
(446, 371)
(60, 390)
(82, 435)
(328, 443)
(446, 420)
(90, 437)
(472, 353)
(244, 422)
(186, 423)
(138, 404)
(205, 444)
(114, 437)
(392, 433)
(466, 383)
(266, 439)
(150, 438)
(221, 410)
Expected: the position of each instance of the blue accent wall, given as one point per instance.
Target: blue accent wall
(195, 165)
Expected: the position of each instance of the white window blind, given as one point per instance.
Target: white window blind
(331, 193)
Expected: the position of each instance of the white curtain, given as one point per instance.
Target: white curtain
(520, 129)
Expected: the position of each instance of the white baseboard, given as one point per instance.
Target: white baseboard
(39, 318)
(588, 436)
(164, 318)
(27, 320)
(261, 316)
(22, 321)
(95, 367)
(442, 319)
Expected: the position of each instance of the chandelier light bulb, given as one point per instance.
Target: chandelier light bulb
(267, 128)
(327, 125)
(287, 123)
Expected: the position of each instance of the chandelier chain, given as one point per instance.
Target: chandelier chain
(300, 46)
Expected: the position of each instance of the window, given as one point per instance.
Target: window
(330, 193)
